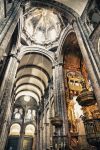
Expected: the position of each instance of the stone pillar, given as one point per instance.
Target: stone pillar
(44, 130)
(56, 87)
(41, 133)
(89, 57)
(6, 99)
(2, 9)
(22, 132)
(37, 132)
(40, 140)
(8, 26)
(51, 106)
(59, 97)
(47, 128)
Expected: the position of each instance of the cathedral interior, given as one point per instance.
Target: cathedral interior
(49, 74)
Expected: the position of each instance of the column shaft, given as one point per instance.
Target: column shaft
(6, 100)
(91, 65)
(59, 97)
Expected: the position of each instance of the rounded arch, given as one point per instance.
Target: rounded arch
(31, 84)
(15, 129)
(65, 34)
(34, 72)
(71, 53)
(70, 41)
(66, 39)
(57, 5)
(36, 50)
(29, 93)
(32, 122)
(29, 130)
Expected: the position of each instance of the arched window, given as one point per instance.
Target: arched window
(29, 114)
(15, 110)
(33, 113)
(17, 113)
(15, 129)
(21, 111)
(17, 116)
(29, 130)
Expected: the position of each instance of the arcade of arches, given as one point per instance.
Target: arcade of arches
(49, 75)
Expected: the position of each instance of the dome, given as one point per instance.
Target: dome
(43, 26)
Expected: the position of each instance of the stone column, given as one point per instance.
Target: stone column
(8, 26)
(44, 130)
(63, 102)
(6, 99)
(56, 87)
(41, 133)
(51, 104)
(2, 9)
(59, 97)
(48, 124)
(37, 132)
(89, 57)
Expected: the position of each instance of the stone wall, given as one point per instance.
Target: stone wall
(1, 9)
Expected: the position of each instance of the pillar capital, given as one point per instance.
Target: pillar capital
(14, 56)
(60, 63)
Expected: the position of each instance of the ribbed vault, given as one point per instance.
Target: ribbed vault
(42, 26)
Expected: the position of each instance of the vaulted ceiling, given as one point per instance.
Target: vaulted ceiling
(32, 78)
(76, 5)
(43, 25)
